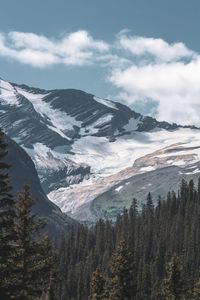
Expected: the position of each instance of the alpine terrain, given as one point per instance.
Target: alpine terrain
(92, 155)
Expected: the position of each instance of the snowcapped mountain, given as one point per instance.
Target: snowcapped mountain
(157, 160)
(86, 148)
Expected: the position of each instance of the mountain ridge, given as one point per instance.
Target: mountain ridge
(83, 146)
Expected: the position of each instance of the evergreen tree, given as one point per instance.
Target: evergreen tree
(121, 281)
(149, 205)
(195, 294)
(7, 232)
(173, 286)
(33, 251)
(97, 286)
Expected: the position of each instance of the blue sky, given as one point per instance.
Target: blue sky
(126, 50)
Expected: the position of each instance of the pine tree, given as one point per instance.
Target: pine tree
(49, 267)
(173, 286)
(33, 251)
(195, 294)
(51, 292)
(198, 189)
(7, 232)
(149, 205)
(97, 286)
(121, 284)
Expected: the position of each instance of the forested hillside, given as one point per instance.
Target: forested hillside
(153, 253)
(149, 254)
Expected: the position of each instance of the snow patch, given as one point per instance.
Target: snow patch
(8, 94)
(132, 124)
(196, 171)
(46, 158)
(147, 169)
(119, 188)
(61, 122)
(109, 158)
(103, 120)
(105, 102)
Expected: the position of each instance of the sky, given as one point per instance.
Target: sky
(145, 54)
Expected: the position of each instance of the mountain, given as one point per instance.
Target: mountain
(23, 171)
(133, 182)
(157, 172)
(94, 155)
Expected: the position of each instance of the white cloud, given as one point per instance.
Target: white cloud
(166, 74)
(174, 86)
(158, 48)
(77, 48)
(142, 69)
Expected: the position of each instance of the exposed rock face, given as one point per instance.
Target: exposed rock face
(23, 171)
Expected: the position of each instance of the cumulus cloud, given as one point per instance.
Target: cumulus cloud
(167, 74)
(77, 48)
(155, 48)
(175, 87)
(143, 70)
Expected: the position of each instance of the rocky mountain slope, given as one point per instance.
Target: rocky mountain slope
(157, 173)
(86, 148)
(160, 170)
(23, 171)
(49, 125)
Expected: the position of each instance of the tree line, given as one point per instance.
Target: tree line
(147, 254)
(151, 253)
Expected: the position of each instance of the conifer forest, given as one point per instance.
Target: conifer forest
(149, 253)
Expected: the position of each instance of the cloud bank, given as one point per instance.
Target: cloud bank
(141, 69)
(76, 49)
(168, 74)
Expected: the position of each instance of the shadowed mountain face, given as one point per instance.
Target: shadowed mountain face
(23, 171)
(83, 147)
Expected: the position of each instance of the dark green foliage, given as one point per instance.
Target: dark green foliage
(34, 252)
(7, 232)
(173, 287)
(120, 282)
(155, 240)
(195, 293)
(97, 286)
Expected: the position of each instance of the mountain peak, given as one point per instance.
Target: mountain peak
(83, 145)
